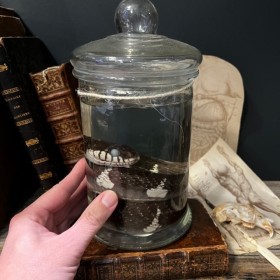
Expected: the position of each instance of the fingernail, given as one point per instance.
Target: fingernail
(109, 199)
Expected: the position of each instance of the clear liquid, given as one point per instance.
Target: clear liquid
(153, 131)
(159, 131)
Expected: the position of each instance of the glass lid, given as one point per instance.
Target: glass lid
(136, 48)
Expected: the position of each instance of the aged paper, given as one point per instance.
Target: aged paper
(217, 106)
(223, 182)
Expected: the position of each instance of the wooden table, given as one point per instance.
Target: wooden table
(249, 266)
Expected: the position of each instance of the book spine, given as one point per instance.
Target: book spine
(11, 26)
(56, 92)
(169, 266)
(7, 12)
(14, 95)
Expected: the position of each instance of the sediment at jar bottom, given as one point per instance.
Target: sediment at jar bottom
(138, 218)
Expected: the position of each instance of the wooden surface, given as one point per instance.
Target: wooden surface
(250, 266)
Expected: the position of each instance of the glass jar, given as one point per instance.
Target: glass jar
(135, 90)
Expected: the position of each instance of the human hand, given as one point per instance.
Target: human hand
(42, 244)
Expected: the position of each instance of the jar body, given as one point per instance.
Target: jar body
(137, 143)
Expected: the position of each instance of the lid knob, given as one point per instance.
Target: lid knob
(136, 16)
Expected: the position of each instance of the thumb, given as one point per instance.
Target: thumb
(91, 220)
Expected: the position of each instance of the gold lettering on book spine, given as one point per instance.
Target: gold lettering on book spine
(13, 98)
(32, 142)
(24, 122)
(40, 160)
(45, 176)
(10, 90)
(22, 115)
(59, 107)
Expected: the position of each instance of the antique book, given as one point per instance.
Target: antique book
(20, 56)
(11, 26)
(16, 169)
(56, 88)
(201, 252)
(7, 12)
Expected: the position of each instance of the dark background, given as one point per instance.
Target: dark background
(243, 32)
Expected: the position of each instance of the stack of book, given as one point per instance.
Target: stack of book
(201, 252)
(40, 117)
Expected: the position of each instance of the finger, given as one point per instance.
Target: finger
(78, 200)
(66, 216)
(92, 219)
(70, 216)
(59, 195)
(77, 196)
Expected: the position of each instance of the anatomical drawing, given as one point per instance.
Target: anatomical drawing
(239, 202)
(217, 106)
(236, 182)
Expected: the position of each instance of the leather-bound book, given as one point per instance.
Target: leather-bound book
(16, 169)
(11, 26)
(201, 252)
(7, 12)
(20, 56)
(56, 88)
